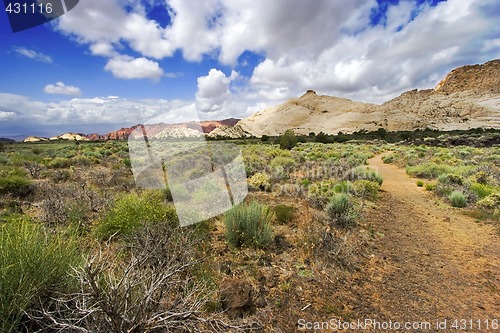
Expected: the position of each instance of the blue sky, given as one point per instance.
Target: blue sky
(108, 64)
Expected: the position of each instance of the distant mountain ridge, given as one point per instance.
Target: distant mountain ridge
(468, 97)
(179, 130)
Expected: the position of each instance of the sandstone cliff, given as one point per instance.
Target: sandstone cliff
(469, 97)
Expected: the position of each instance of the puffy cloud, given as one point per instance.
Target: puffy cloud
(31, 54)
(4, 115)
(61, 89)
(332, 47)
(377, 63)
(213, 90)
(126, 67)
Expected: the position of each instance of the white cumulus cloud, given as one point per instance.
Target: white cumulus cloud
(126, 67)
(4, 115)
(329, 46)
(213, 90)
(62, 89)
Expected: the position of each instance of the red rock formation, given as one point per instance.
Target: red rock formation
(123, 133)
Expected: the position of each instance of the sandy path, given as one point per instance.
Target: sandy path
(432, 262)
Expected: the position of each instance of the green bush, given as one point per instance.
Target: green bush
(282, 166)
(366, 173)
(457, 199)
(34, 265)
(249, 225)
(133, 210)
(432, 170)
(283, 213)
(341, 211)
(428, 170)
(490, 202)
(288, 140)
(14, 184)
(430, 187)
(260, 181)
(420, 183)
(481, 190)
(451, 178)
(366, 188)
(388, 159)
(343, 186)
(59, 163)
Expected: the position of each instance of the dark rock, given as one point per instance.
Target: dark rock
(237, 298)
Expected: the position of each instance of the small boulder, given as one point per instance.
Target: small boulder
(237, 298)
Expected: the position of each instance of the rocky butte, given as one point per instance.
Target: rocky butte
(468, 97)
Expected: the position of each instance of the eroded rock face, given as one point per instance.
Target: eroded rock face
(469, 97)
(180, 129)
(237, 298)
(481, 79)
(34, 139)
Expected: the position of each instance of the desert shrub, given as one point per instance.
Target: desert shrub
(366, 173)
(341, 211)
(3, 159)
(15, 185)
(132, 210)
(84, 160)
(339, 248)
(420, 183)
(343, 186)
(59, 163)
(366, 188)
(260, 181)
(451, 178)
(127, 162)
(428, 170)
(490, 202)
(319, 193)
(481, 177)
(282, 166)
(388, 159)
(34, 265)
(288, 140)
(457, 199)
(249, 225)
(444, 189)
(151, 286)
(283, 213)
(481, 190)
(430, 187)
(60, 175)
(432, 170)
(305, 182)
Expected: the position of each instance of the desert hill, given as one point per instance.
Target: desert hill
(206, 126)
(190, 129)
(468, 97)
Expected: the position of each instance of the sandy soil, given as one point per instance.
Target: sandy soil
(429, 262)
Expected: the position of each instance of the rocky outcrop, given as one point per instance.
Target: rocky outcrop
(34, 139)
(480, 79)
(153, 130)
(469, 97)
(71, 137)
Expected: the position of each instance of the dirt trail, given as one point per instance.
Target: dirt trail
(431, 262)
